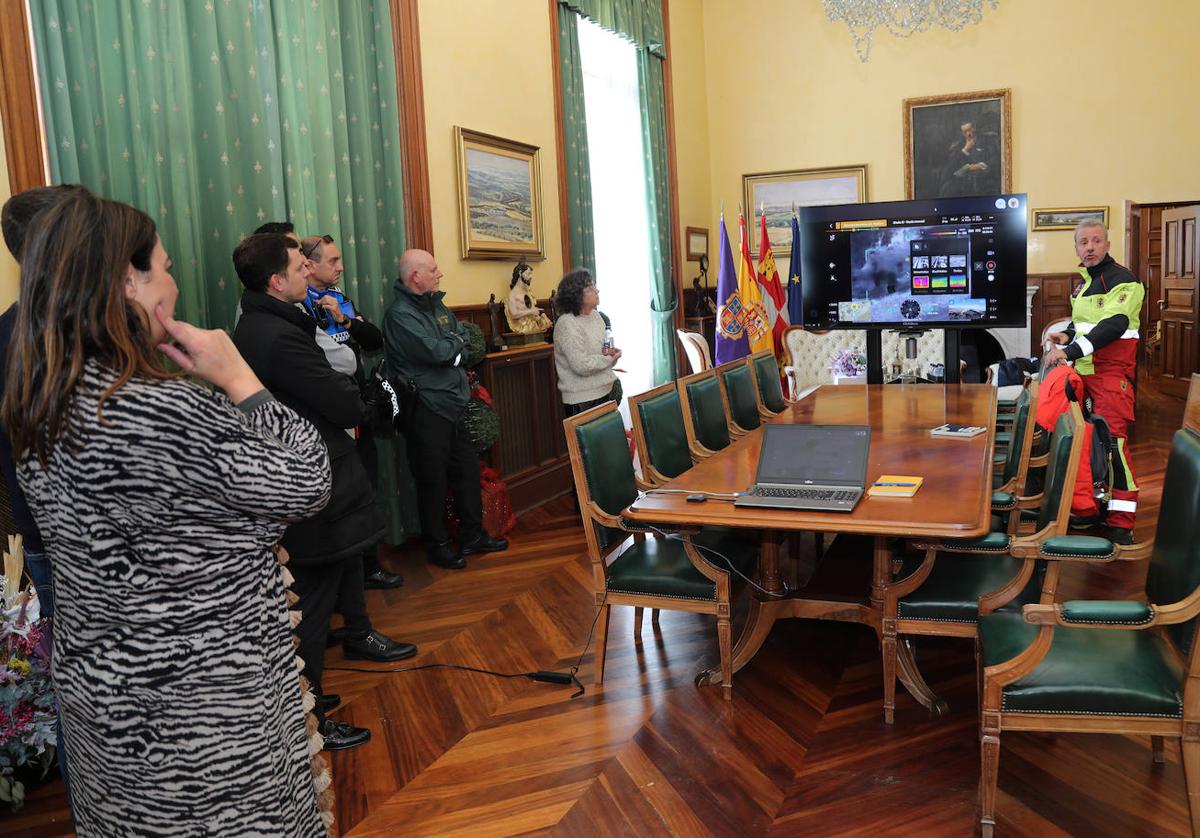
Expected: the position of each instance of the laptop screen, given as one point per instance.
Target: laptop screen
(814, 454)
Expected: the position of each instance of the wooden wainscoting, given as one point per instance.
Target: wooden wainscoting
(1051, 302)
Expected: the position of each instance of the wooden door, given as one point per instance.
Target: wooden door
(1178, 302)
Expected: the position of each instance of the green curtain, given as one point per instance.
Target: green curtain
(579, 172)
(214, 117)
(640, 21)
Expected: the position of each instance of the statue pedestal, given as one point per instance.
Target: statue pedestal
(512, 339)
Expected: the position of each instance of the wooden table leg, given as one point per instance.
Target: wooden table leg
(764, 610)
(912, 679)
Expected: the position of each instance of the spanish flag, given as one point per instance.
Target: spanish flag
(753, 315)
(774, 297)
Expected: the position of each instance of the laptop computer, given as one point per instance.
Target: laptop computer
(818, 467)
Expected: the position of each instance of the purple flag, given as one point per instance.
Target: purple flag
(731, 337)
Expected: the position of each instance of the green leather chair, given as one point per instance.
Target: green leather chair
(738, 387)
(659, 435)
(1009, 482)
(649, 570)
(766, 374)
(1108, 666)
(704, 415)
(958, 580)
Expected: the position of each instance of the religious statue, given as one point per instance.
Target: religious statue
(523, 316)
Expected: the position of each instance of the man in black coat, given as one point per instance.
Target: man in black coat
(275, 336)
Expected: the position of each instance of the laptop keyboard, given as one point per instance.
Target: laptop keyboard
(802, 494)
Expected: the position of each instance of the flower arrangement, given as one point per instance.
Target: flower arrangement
(28, 719)
(848, 362)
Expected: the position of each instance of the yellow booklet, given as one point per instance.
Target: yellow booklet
(895, 486)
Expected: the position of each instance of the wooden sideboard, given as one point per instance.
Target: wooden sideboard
(1051, 302)
(531, 452)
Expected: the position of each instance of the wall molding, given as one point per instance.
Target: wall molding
(18, 100)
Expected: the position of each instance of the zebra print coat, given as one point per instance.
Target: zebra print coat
(173, 661)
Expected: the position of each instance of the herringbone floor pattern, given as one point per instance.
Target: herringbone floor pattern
(801, 749)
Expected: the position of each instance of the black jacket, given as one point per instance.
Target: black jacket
(276, 339)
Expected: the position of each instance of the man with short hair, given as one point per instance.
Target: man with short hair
(425, 347)
(1102, 341)
(275, 336)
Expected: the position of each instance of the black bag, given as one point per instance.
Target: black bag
(383, 405)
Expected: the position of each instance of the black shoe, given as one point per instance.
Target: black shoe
(375, 647)
(328, 702)
(336, 636)
(442, 556)
(339, 735)
(484, 543)
(1119, 535)
(382, 580)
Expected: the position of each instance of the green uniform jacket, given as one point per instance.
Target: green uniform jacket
(425, 345)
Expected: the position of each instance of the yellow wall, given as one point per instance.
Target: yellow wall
(486, 66)
(9, 274)
(1101, 99)
(691, 130)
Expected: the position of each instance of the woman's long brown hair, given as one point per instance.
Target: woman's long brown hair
(72, 308)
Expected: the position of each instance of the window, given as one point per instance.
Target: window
(619, 219)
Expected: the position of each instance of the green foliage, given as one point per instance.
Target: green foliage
(483, 424)
(476, 348)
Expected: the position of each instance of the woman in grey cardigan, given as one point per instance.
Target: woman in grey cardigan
(584, 355)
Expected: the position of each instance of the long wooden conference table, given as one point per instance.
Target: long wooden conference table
(953, 502)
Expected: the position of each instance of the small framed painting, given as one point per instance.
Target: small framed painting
(697, 243)
(779, 193)
(499, 197)
(1066, 218)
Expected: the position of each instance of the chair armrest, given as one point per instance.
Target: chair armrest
(1106, 614)
(1040, 461)
(1088, 548)
(1003, 501)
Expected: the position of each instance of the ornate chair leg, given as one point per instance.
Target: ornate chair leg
(1156, 746)
(989, 755)
(601, 641)
(725, 641)
(1191, 778)
(889, 670)
(637, 621)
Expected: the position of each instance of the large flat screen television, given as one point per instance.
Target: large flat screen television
(935, 263)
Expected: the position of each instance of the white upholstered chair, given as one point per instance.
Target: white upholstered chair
(695, 347)
(809, 353)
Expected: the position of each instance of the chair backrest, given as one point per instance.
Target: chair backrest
(766, 374)
(704, 414)
(1056, 326)
(738, 383)
(695, 347)
(659, 434)
(1066, 445)
(602, 468)
(1021, 439)
(1175, 563)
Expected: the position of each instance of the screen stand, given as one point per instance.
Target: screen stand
(951, 374)
(874, 356)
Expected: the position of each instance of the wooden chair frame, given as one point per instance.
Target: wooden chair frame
(1016, 485)
(1047, 616)
(736, 431)
(699, 452)
(763, 411)
(1024, 547)
(600, 558)
(651, 477)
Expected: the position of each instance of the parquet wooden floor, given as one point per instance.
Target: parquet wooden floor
(801, 749)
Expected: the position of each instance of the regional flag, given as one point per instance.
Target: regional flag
(731, 337)
(753, 315)
(794, 297)
(774, 297)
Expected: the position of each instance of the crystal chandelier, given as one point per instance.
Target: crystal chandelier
(901, 17)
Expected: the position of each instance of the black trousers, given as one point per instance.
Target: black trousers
(317, 586)
(442, 458)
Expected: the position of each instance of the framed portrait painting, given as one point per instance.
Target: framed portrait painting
(778, 193)
(499, 197)
(958, 144)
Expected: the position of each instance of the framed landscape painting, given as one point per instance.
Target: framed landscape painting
(777, 193)
(958, 144)
(499, 197)
(1066, 218)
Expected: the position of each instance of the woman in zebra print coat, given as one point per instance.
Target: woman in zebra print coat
(159, 501)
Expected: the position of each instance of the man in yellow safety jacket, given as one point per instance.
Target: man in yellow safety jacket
(1102, 341)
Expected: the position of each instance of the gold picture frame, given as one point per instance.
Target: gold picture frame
(936, 164)
(499, 197)
(696, 239)
(779, 192)
(1065, 218)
